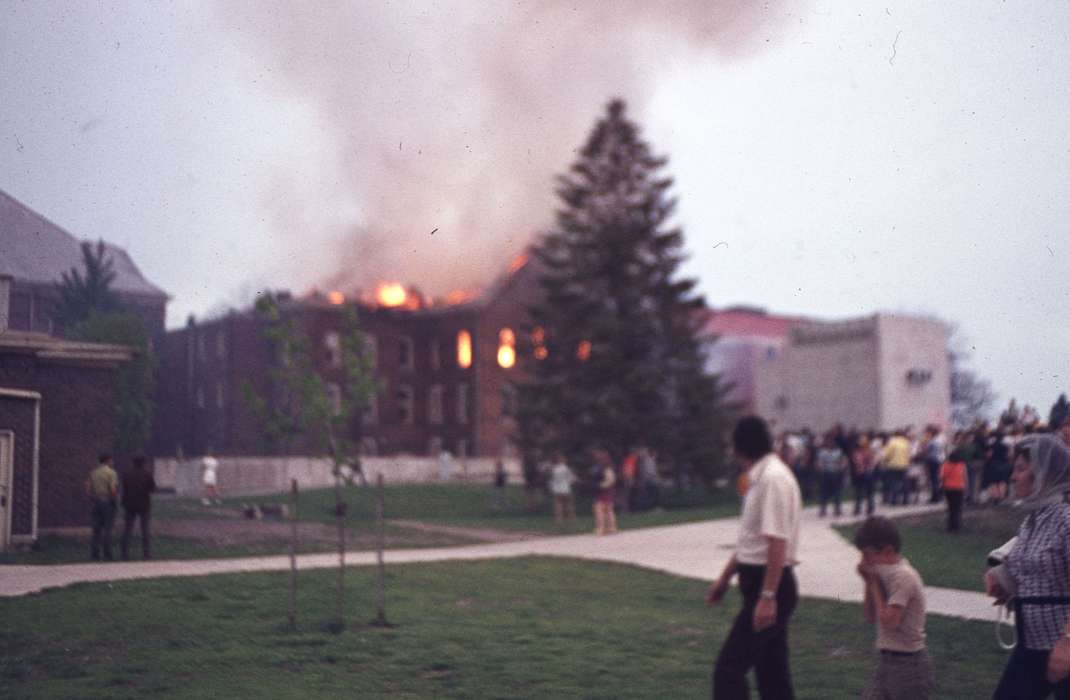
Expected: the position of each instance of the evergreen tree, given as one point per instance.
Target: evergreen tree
(81, 294)
(616, 356)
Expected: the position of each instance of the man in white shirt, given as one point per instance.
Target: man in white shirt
(765, 554)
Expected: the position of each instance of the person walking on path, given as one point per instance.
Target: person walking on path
(561, 480)
(764, 557)
(953, 486)
(102, 488)
(138, 487)
(1037, 574)
(500, 479)
(894, 600)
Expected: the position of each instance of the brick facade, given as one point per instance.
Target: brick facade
(76, 382)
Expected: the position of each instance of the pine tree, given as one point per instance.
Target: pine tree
(83, 294)
(616, 354)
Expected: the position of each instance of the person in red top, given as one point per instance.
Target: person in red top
(953, 484)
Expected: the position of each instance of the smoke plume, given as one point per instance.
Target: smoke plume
(444, 123)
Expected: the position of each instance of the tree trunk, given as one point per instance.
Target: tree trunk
(293, 554)
(380, 543)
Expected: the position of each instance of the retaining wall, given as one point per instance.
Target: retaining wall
(241, 476)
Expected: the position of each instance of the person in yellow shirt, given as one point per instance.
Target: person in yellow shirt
(896, 459)
(102, 487)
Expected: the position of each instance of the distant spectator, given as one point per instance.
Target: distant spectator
(932, 454)
(953, 485)
(831, 467)
(605, 519)
(102, 488)
(864, 466)
(499, 484)
(138, 487)
(561, 480)
(445, 465)
(896, 460)
(209, 480)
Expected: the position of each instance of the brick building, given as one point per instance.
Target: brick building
(443, 370)
(34, 253)
(56, 416)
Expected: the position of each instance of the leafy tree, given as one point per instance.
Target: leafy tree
(615, 355)
(83, 293)
(972, 397)
(136, 380)
(303, 407)
(1059, 411)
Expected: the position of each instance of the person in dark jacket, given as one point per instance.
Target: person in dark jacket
(138, 486)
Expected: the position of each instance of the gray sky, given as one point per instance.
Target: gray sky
(831, 159)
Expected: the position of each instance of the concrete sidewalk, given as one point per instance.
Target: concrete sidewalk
(693, 550)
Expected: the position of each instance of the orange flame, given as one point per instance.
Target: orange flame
(336, 298)
(391, 294)
(460, 296)
(518, 263)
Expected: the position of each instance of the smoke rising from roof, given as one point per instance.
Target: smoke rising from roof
(444, 123)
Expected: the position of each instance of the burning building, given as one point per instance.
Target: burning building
(444, 368)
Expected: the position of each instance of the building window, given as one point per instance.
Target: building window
(334, 398)
(219, 395)
(406, 397)
(464, 349)
(333, 344)
(200, 397)
(462, 403)
(221, 344)
(434, 404)
(405, 353)
(371, 411)
(506, 348)
(369, 447)
(436, 354)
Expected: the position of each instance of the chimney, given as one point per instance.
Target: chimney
(5, 301)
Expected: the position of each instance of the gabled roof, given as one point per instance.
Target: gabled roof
(33, 249)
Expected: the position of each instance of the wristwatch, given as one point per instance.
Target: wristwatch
(768, 595)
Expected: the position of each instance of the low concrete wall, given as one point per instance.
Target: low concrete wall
(241, 476)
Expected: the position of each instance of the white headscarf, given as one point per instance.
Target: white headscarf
(1049, 459)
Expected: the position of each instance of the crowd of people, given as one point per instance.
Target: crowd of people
(1032, 576)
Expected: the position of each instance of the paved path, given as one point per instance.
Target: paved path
(693, 550)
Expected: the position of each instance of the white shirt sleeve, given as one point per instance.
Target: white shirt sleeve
(777, 509)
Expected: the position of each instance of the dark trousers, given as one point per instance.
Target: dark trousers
(954, 509)
(864, 487)
(128, 527)
(934, 480)
(831, 487)
(101, 518)
(1023, 678)
(766, 651)
(893, 486)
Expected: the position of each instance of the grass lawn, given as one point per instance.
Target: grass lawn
(471, 505)
(60, 549)
(953, 560)
(523, 628)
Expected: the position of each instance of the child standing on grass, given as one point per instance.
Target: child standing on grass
(895, 602)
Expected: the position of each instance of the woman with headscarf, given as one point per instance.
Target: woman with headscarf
(1038, 567)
